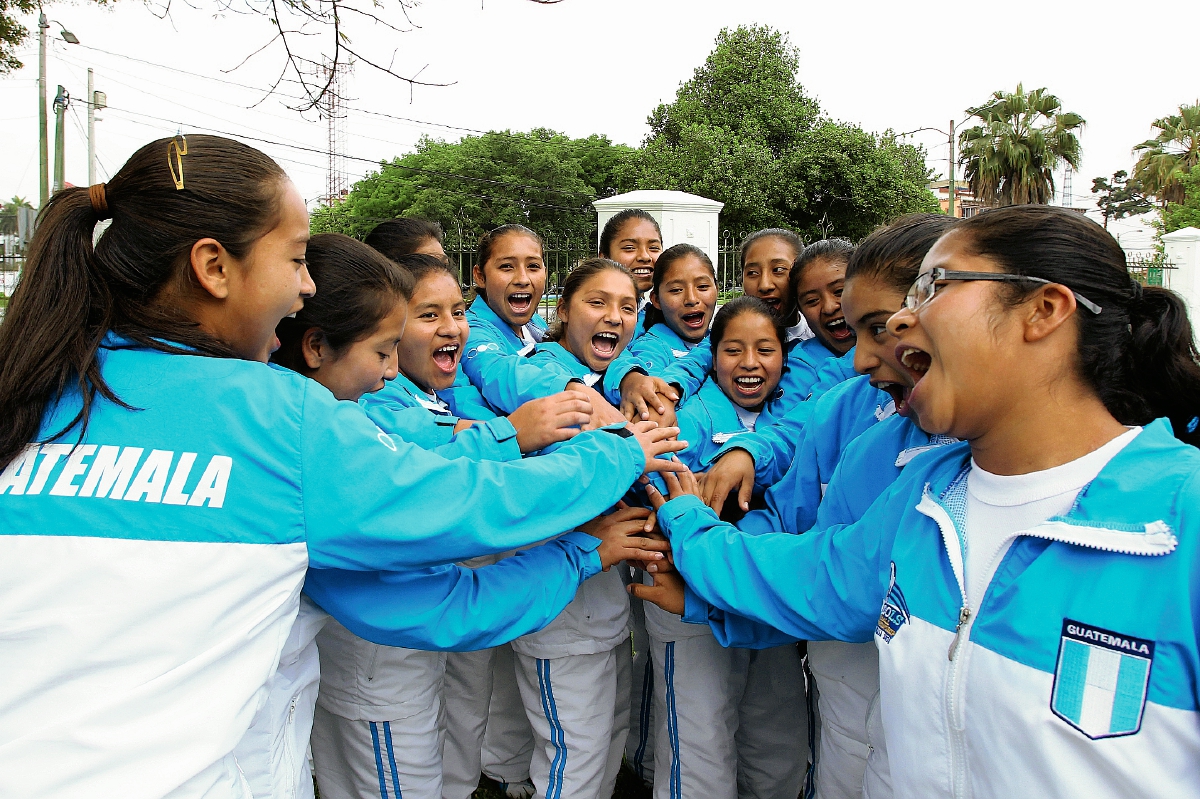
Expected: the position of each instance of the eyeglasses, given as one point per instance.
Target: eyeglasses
(926, 285)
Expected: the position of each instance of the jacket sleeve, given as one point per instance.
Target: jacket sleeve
(822, 585)
(466, 401)
(621, 366)
(509, 381)
(493, 440)
(455, 608)
(372, 503)
(731, 629)
(774, 446)
(792, 500)
(414, 425)
(832, 373)
(690, 371)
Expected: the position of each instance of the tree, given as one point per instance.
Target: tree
(742, 130)
(542, 179)
(1185, 213)
(1010, 157)
(1163, 160)
(1121, 197)
(12, 32)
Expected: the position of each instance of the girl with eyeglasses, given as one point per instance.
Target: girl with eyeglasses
(1033, 592)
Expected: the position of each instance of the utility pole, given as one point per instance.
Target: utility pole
(44, 161)
(96, 101)
(61, 101)
(952, 186)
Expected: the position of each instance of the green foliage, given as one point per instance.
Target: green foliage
(1010, 157)
(1165, 159)
(12, 32)
(743, 131)
(1121, 197)
(1183, 214)
(542, 179)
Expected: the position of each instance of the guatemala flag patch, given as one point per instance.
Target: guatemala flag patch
(894, 613)
(1100, 680)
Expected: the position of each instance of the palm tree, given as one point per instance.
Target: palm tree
(1010, 157)
(1173, 152)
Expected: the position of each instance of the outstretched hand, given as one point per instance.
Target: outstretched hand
(680, 483)
(657, 441)
(667, 592)
(620, 532)
(734, 469)
(542, 422)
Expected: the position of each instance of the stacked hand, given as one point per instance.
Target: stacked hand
(623, 536)
(648, 398)
(542, 422)
(734, 469)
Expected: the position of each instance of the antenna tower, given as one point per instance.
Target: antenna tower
(1068, 197)
(330, 108)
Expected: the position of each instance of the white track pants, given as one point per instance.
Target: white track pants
(508, 741)
(466, 698)
(578, 706)
(639, 749)
(772, 738)
(387, 759)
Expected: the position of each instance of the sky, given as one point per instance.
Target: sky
(598, 66)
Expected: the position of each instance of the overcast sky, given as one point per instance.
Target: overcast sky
(600, 66)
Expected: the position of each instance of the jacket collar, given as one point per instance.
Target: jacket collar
(670, 338)
(482, 313)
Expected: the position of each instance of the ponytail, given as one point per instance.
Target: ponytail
(169, 195)
(1138, 354)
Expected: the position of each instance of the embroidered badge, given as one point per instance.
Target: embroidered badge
(894, 613)
(1100, 680)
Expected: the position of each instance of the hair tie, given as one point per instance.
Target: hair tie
(99, 198)
(1136, 290)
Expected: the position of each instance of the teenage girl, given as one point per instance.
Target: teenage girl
(1032, 591)
(575, 674)
(731, 722)
(683, 298)
(137, 370)
(633, 239)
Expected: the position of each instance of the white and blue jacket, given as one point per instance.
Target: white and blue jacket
(1077, 675)
(153, 567)
(402, 409)
(658, 348)
(557, 359)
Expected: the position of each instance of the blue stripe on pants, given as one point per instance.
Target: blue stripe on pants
(387, 737)
(378, 761)
(558, 765)
(639, 756)
(672, 718)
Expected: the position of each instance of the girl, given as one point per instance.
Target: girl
(682, 301)
(1038, 579)
(633, 239)
(575, 674)
(815, 284)
(406, 236)
(154, 636)
(731, 722)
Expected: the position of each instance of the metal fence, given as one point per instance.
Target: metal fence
(1150, 270)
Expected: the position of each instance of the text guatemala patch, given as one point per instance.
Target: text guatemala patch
(1100, 680)
(894, 613)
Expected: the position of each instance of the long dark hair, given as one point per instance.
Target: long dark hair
(893, 254)
(403, 236)
(72, 294)
(838, 250)
(578, 276)
(739, 307)
(358, 288)
(663, 265)
(613, 226)
(1138, 354)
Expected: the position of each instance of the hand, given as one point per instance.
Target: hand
(464, 424)
(664, 419)
(678, 485)
(542, 422)
(734, 469)
(619, 531)
(658, 441)
(602, 412)
(667, 592)
(641, 393)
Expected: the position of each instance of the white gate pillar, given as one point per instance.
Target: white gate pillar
(1183, 252)
(684, 218)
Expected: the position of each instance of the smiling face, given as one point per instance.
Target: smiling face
(765, 270)
(748, 360)
(270, 283)
(868, 303)
(962, 350)
(599, 319)
(364, 365)
(687, 298)
(514, 278)
(436, 333)
(819, 297)
(636, 247)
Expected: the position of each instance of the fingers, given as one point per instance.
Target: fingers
(654, 545)
(715, 490)
(639, 428)
(745, 491)
(663, 466)
(628, 410)
(656, 499)
(627, 513)
(655, 433)
(640, 407)
(666, 389)
(651, 523)
(572, 418)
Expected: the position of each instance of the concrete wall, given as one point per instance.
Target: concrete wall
(683, 217)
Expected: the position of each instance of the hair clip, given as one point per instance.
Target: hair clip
(180, 150)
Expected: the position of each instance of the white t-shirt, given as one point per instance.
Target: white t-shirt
(1000, 505)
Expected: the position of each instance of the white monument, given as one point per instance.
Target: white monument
(1183, 252)
(684, 218)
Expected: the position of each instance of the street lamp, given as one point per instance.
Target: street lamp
(949, 135)
(43, 141)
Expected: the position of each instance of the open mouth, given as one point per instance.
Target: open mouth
(916, 361)
(643, 272)
(899, 393)
(839, 330)
(446, 358)
(520, 303)
(749, 385)
(693, 320)
(605, 345)
(773, 303)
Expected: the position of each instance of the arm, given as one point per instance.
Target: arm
(372, 503)
(689, 372)
(493, 440)
(792, 501)
(508, 381)
(412, 424)
(773, 447)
